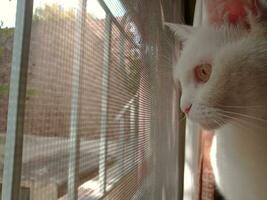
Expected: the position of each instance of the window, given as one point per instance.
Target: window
(88, 106)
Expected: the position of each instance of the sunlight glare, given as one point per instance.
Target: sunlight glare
(8, 8)
(8, 13)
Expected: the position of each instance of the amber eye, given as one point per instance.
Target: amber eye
(202, 72)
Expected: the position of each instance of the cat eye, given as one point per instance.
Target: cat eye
(202, 72)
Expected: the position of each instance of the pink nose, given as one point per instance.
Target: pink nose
(188, 108)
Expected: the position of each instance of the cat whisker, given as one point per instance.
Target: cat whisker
(219, 122)
(243, 123)
(236, 106)
(216, 122)
(244, 115)
(237, 121)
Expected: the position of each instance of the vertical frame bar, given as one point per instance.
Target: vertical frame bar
(132, 132)
(122, 45)
(121, 152)
(16, 104)
(121, 148)
(103, 145)
(73, 166)
(136, 134)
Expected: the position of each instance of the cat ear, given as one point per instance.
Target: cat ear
(230, 11)
(182, 32)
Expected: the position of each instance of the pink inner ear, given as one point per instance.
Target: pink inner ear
(234, 10)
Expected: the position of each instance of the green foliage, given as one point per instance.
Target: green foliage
(4, 89)
(52, 12)
(1, 53)
(31, 92)
(6, 32)
(2, 140)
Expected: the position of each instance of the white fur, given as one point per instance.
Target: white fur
(238, 157)
(233, 101)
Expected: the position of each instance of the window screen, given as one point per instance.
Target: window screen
(88, 106)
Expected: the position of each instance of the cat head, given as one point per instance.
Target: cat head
(220, 69)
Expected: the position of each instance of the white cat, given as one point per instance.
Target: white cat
(222, 72)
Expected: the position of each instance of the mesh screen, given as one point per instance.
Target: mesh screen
(101, 115)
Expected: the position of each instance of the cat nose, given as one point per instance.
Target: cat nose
(187, 109)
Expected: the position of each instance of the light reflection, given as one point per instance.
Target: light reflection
(8, 13)
(8, 9)
(116, 7)
(213, 159)
(95, 9)
(93, 185)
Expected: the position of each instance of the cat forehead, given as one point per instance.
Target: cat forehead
(202, 46)
(205, 38)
